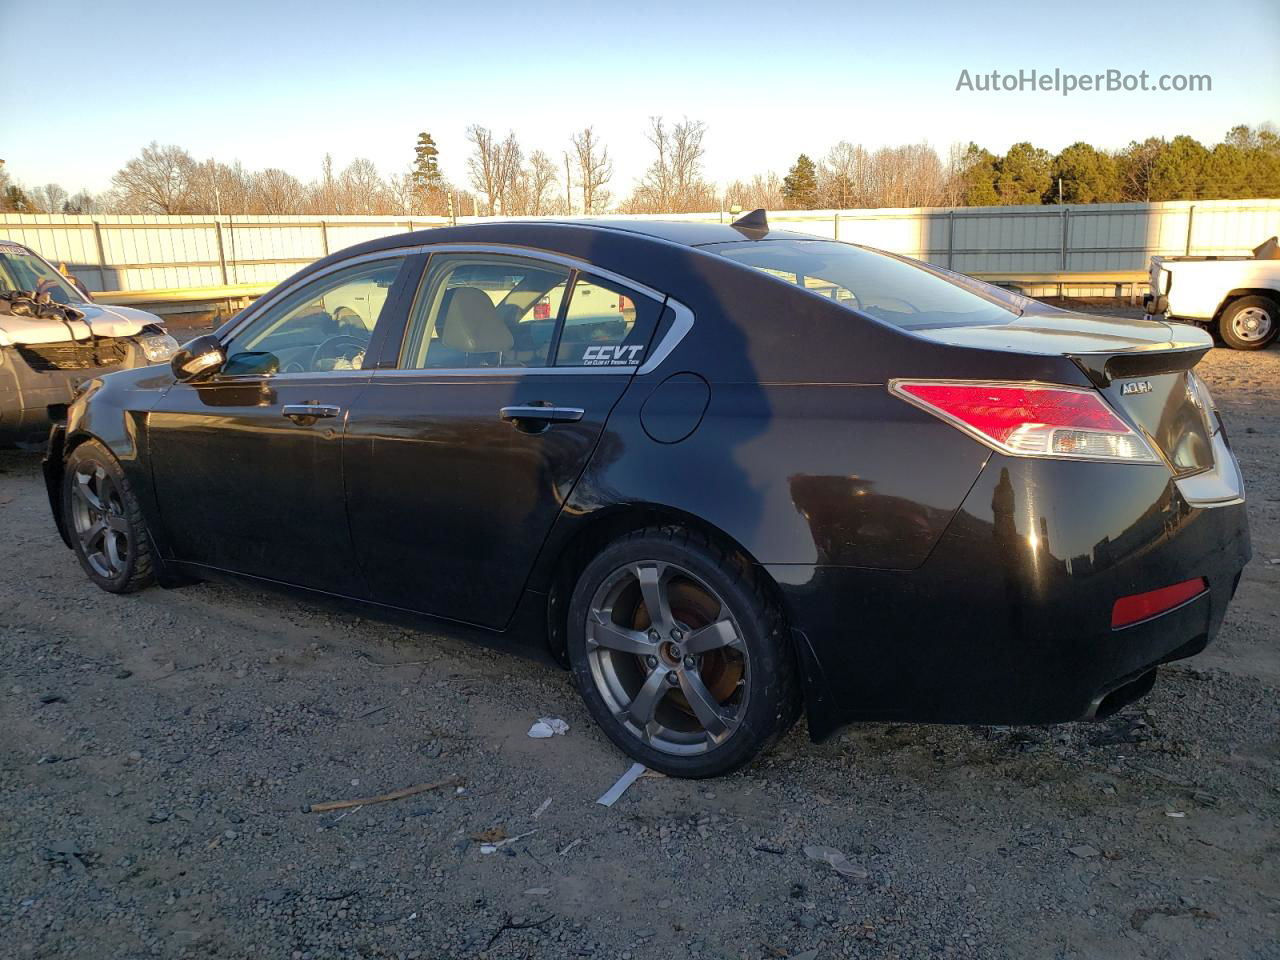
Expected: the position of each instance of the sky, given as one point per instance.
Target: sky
(281, 84)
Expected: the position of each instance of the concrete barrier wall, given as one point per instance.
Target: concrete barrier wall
(118, 252)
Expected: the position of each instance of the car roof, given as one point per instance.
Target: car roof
(690, 233)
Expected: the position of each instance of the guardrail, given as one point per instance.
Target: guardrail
(219, 299)
(1112, 284)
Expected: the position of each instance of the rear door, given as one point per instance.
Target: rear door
(458, 460)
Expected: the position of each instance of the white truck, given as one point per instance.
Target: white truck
(1236, 297)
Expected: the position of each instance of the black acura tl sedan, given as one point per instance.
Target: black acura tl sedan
(723, 473)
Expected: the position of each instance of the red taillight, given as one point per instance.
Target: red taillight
(542, 309)
(1029, 420)
(1143, 606)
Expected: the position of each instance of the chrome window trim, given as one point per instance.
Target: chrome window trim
(265, 302)
(274, 377)
(497, 373)
(680, 327)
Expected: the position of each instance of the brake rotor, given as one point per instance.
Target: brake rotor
(693, 608)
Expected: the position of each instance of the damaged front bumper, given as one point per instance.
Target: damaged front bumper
(37, 382)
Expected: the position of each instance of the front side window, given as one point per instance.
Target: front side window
(323, 326)
(880, 285)
(476, 311)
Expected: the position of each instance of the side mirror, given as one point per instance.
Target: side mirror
(198, 358)
(251, 363)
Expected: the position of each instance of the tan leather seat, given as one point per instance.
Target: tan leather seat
(471, 325)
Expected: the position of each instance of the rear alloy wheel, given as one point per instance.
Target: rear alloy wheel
(1250, 323)
(679, 658)
(105, 521)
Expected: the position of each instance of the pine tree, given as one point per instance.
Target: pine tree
(1179, 172)
(1088, 175)
(1023, 174)
(800, 185)
(426, 165)
(978, 177)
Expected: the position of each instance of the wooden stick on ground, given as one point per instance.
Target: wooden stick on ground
(380, 798)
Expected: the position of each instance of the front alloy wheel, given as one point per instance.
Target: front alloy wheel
(678, 655)
(97, 513)
(105, 521)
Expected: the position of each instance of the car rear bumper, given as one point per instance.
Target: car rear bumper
(1009, 619)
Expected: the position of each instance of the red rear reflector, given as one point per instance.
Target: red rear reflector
(1030, 420)
(1144, 606)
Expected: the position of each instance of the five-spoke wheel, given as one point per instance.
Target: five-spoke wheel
(97, 514)
(667, 656)
(104, 520)
(678, 656)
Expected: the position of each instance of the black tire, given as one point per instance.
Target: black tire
(104, 521)
(1249, 323)
(765, 699)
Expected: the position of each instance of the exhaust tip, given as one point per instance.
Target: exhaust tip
(1117, 698)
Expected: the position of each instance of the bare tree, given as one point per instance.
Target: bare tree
(50, 198)
(324, 195)
(843, 176)
(673, 183)
(568, 183)
(219, 188)
(82, 201)
(276, 192)
(763, 190)
(595, 169)
(156, 181)
(484, 166)
(363, 191)
(405, 197)
(538, 179)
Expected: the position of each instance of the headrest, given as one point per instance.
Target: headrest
(471, 322)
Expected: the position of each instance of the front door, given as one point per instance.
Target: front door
(459, 460)
(248, 465)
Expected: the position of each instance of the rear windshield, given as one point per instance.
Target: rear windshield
(881, 285)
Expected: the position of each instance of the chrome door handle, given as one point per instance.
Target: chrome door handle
(305, 413)
(549, 414)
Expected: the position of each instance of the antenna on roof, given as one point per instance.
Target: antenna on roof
(753, 225)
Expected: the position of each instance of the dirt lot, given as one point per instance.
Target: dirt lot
(156, 752)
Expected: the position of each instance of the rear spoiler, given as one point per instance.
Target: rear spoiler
(1103, 368)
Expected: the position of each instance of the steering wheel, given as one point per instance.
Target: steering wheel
(343, 346)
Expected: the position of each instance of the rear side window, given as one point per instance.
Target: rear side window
(880, 285)
(606, 325)
(476, 311)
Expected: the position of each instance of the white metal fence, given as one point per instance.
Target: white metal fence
(117, 252)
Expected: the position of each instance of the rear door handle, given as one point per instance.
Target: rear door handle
(547, 414)
(305, 413)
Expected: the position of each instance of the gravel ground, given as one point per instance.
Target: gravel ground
(156, 752)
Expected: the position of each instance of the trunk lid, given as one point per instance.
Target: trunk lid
(1142, 367)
